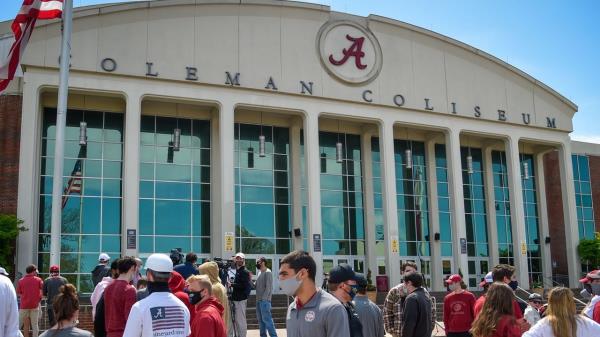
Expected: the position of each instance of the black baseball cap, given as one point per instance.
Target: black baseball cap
(361, 280)
(341, 273)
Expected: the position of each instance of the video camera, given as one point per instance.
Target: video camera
(224, 266)
(176, 256)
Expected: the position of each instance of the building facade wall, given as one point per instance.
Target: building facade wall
(595, 180)
(10, 127)
(555, 213)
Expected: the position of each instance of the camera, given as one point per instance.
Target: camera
(224, 267)
(176, 256)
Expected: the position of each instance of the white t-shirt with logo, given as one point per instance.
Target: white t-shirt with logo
(161, 314)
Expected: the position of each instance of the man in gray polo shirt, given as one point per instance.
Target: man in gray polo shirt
(264, 289)
(313, 313)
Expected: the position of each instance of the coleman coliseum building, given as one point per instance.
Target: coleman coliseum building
(266, 126)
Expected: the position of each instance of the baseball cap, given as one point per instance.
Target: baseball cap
(487, 279)
(535, 297)
(159, 262)
(240, 254)
(454, 279)
(341, 273)
(361, 280)
(103, 257)
(593, 275)
(3, 271)
(54, 268)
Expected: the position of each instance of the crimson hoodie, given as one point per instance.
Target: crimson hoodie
(209, 321)
(176, 285)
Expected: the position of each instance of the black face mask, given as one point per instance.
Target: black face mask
(158, 287)
(195, 297)
(513, 285)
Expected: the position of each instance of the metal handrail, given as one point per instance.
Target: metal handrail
(528, 293)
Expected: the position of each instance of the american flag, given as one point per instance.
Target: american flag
(75, 182)
(164, 318)
(22, 27)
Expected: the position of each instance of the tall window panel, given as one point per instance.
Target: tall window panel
(174, 205)
(502, 205)
(378, 206)
(583, 196)
(475, 215)
(411, 198)
(91, 218)
(262, 190)
(341, 195)
(445, 212)
(532, 228)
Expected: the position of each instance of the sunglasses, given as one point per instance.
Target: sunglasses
(536, 302)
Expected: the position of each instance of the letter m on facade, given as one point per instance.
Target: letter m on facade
(551, 122)
(235, 80)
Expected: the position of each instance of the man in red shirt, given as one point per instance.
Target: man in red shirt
(458, 309)
(119, 297)
(504, 273)
(208, 321)
(29, 289)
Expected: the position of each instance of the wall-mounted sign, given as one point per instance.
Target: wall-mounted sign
(395, 245)
(229, 241)
(523, 249)
(463, 245)
(349, 51)
(317, 243)
(131, 239)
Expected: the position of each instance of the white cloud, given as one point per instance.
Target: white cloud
(586, 138)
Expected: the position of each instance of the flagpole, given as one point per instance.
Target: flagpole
(61, 120)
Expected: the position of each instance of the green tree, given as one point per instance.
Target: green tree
(10, 226)
(589, 251)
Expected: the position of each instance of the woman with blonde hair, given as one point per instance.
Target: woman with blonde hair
(66, 311)
(497, 318)
(562, 319)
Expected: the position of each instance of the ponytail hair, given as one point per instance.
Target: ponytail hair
(65, 304)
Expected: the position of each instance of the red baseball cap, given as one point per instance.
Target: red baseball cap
(54, 269)
(454, 279)
(594, 274)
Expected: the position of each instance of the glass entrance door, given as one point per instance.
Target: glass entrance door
(478, 267)
(356, 262)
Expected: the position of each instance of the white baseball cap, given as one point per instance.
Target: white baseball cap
(159, 262)
(240, 254)
(3, 271)
(103, 257)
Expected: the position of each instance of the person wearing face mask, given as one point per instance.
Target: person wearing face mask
(504, 273)
(532, 314)
(417, 308)
(393, 307)
(591, 285)
(161, 313)
(458, 309)
(177, 287)
(264, 290)
(208, 321)
(368, 312)
(313, 312)
(343, 285)
(119, 297)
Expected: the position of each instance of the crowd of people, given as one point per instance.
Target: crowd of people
(169, 296)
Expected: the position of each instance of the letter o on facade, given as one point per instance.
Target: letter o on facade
(108, 64)
(399, 100)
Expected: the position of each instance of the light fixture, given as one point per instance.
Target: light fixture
(82, 133)
(177, 131)
(525, 164)
(261, 139)
(338, 147)
(408, 153)
(469, 158)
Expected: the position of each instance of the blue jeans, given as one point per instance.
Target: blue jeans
(265, 320)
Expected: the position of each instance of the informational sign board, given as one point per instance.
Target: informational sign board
(131, 239)
(523, 248)
(463, 245)
(229, 241)
(317, 243)
(395, 245)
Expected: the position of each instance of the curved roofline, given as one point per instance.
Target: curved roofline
(98, 9)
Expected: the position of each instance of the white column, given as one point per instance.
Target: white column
(369, 203)
(223, 174)
(296, 180)
(569, 210)
(542, 207)
(390, 208)
(490, 200)
(517, 213)
(313, 173)
(28, 190)
(131, 172)
(434, 217)
(459, 230)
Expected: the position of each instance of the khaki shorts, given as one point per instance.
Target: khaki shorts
(33, 314)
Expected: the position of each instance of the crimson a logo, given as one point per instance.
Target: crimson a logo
(349, 52)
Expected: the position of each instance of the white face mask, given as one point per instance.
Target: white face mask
(454, 286)
(291, 285)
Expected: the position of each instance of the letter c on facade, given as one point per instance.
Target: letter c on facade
(364, 96)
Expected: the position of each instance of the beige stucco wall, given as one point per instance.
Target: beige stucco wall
(263, 39)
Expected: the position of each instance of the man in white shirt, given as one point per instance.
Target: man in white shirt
(161, 313)
(9, 311)
(532, 314)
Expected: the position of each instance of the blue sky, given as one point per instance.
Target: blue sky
(557, 42)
